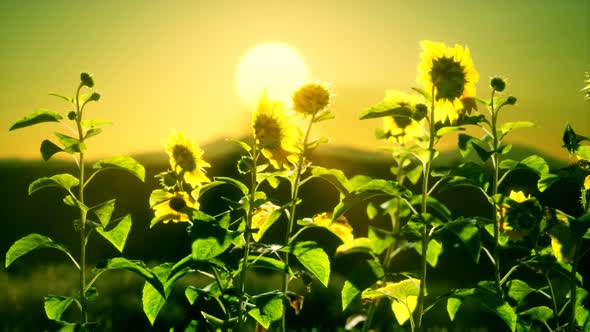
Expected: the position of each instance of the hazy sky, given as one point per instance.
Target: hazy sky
(172, 64)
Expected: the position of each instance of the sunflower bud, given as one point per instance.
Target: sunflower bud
(87, 80)
(498, 84)
(95, 96)
(510, 100)
(72, 115)
(311, 98)
(421, 112)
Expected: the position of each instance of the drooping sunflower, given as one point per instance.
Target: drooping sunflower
(406, 126)
(275, 133)
(170, 208)
(312, 98)
(451, 72)
(185, 158)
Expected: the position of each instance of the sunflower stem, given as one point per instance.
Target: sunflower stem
(495, 157)
(294, 194)
(247, 234)
(83, 237)
(425, 238)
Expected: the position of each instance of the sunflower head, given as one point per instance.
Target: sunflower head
(587, 183)
(171, 208)
(185, 158)
(450, 73)
(275, 133)
(405, 126)
(311, 98)
(519, 216)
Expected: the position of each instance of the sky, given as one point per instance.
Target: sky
(172, 64)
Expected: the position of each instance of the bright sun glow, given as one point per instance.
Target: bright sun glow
(276, 66)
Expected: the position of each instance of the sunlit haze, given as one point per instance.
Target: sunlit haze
(193, 65)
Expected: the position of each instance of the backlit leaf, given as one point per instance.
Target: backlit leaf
(312, 257)
(124, 163)
(363, 275)
(66, 181)
(56, 305)
(371, 189)
(269, 308)
(118, 234)
(29, 243)
(39, 116)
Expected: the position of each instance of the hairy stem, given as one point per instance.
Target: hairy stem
(497, 216)
(294, 195)
(425, 175)
(83, 237)
(247, 234)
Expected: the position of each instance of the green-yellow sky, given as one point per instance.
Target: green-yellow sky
(171, 64)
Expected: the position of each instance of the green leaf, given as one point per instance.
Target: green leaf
(380, 239)
(488, 299)
(534, 163)
(88, 125)
(135, 266)
(334, 176)
(363, 275)
(209, 240)
(56, 305)
(118, 234)
(242, 187)
(453, 305)
(583, 152)
(434, 250)
(29, 243)
(92, 132)
(466, 174)
(66, 181)
(264, 262)
(124, 163)
(152, 300)
(66, 98)
(468, 232)
(268, 213)
(241, 144)
(546, 180)
(269, 308)
(371, 189)
(48, 149)
(582, 314)
(448, 130)
(103, 211)
(71, 144)
(404, 295)
(39, 116)
(385, 108)
(540, 313)
(312, 257)
(518, 290)
(509, 126)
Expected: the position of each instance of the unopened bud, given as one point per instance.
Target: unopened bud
(87, 80)
(72, 115)
(498, 84)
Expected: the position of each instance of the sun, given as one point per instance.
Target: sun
(277, 67)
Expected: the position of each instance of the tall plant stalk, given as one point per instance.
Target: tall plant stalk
(247, 233)
(83, 232)
(495, 157)
(292, 211)
(425, 237)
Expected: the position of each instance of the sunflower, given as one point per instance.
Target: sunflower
(170, 208)
(311, 98)
(406, 126)
(450, 71)
(275, 133)
(516, 217)
(185, 158)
